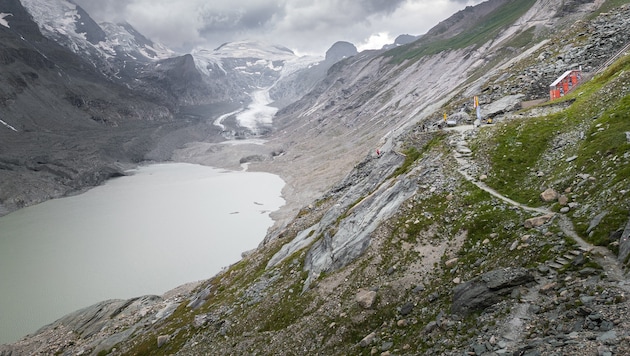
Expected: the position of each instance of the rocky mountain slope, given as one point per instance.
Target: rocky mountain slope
(54, 106)
(509, 238)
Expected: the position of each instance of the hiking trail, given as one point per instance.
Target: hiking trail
(612, 268)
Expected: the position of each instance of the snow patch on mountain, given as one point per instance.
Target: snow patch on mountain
(8, 126)
(299, 63)
(254, 49)
(122, 38)
(3, 21)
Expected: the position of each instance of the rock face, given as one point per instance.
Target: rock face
(352, 237)
(488, 289)
(503, 105)
(624, 243)
(341, 50)
(90, 322)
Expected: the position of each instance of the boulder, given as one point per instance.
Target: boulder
(452, 262)
(537, 221)
(488, 289)
(563, 200)
(406, 308)
(549, 195)
(505, 104)
(162, 339)
(366, 341)
(366, 298)
(199, 299)
(595, 221)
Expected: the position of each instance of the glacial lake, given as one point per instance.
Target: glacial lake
(163, 226)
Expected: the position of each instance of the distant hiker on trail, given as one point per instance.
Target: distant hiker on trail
(378, 152)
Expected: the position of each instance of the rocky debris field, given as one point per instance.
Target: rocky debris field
(590, 47)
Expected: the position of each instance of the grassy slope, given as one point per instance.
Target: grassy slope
(485, 29)
(516, 150)
(609, 5)
(429, 220)
(598, 114)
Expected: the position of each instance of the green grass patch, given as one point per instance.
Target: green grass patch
(607, 139)
(615, 219)
(423, 214)
(179, 330)
(411, 155)
(486, 28)
(289, 309)
(490, 222)
(518, 147)
(609, 5)
(523, 39)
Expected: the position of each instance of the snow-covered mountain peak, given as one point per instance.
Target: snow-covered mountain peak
(253, 57)
(254, 49)
(69, 25)
(57, 17)
(123, 38)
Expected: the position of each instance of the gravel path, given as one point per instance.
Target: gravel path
(603, 255)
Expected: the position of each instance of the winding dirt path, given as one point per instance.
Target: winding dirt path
(513, 331)
(602, 255)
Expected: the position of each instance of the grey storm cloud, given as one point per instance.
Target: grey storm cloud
(305, 25)
(110, 10)
(240, 19)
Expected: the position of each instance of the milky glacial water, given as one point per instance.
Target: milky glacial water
(163, 226)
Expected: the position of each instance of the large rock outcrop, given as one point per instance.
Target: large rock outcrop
(488, 289)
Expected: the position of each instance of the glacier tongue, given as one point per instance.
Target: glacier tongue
(258, 112)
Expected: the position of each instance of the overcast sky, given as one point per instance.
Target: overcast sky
(305, 26)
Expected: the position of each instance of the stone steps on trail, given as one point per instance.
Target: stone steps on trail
(565, 259)
(562, 261)
(570, 256)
